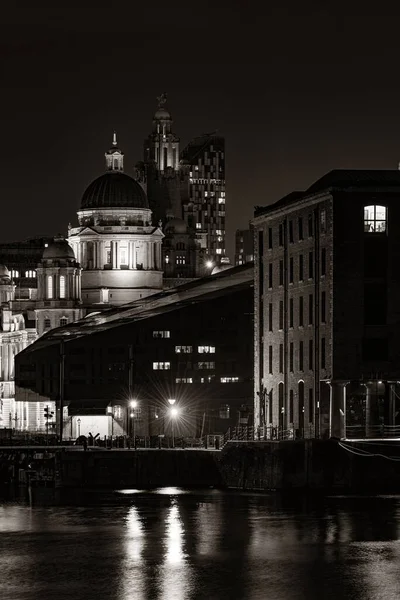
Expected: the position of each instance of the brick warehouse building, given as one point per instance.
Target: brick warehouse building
(327, 317)
(193, 343)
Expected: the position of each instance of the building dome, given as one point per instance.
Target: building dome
(176, 226)
(162, 114)
(114, 190)
(4, 273)
(58, 250)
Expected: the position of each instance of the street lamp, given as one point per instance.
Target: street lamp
(174, 413)
(133, 405)
(79, 428)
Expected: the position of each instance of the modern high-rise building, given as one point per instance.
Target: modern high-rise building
(327, 291)
(244, 246)
(204, 209)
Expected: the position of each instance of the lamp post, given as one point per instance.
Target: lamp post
(79, 428)
(173, 412)
(133, 405)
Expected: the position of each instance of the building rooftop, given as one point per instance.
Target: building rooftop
(199, 290)
(344, 180)
(198, 144)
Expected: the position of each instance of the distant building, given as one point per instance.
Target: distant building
(244, 246)
(327, 291)
(192, 344)
(204, 209)
(115, 241)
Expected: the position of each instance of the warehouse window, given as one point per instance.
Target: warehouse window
(375, 219)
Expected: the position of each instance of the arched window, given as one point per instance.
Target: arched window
(281, 401)
(301, 408)
(375, 219)
(63, 321)
(62, 286)
(180, 246)
(50, 286)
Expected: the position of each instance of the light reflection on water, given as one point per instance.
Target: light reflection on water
(172, 544)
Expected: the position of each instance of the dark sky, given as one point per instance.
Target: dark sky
(296, 91)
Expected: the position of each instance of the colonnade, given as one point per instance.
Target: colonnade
(138, 254)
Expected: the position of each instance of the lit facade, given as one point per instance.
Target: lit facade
(326, 320)
(244, 246)
(204, 210)
(116, 244)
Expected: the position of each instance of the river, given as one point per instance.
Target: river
(171, 544)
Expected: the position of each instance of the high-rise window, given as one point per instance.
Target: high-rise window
(310, 308)
(270, 360)
(280, 358)
(270, 317)
(50, 287)
(301, 311)
(291, 357)
(323, 354)
(62, 286)
(323, 307)
(161, 366)
(301, 267)
(310, 355)
(322, 220)
(47, 323)
(270, 406)
(270, 280)
(281, 234)
(280, 314)
(301, 356)
(291, 232)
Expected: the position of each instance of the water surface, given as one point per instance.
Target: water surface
(171, 544)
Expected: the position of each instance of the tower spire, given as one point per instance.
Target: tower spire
(114, 156)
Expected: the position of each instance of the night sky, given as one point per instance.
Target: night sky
(296, 91)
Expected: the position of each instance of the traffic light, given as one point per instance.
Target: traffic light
(48, 414)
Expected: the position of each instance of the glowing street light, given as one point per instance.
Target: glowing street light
(171, 401)
(174, 413)
(133, 404)
(209, 264)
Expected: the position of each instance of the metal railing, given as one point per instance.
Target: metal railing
(372, 431)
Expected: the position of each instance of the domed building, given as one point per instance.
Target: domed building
(115, 243)
(59, 287)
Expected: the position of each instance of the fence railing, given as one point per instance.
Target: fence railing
(372, 431)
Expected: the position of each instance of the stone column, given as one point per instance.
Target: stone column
(6, 369)
(337, 412)
(134, 266)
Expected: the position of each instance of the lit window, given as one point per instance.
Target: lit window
(50, 286)
(375, 218)
(206, 349)
(184, 380)
(180, 260)
(183, 349)
(161, 334)
(62, 286)
(221, 200)
(14, 273)
(229, 379)
(219, 250)
(219, 232)
(47, 323)
(198, 225)
(161, 366)
(206, 365)
(167, 259)
(63, 321)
